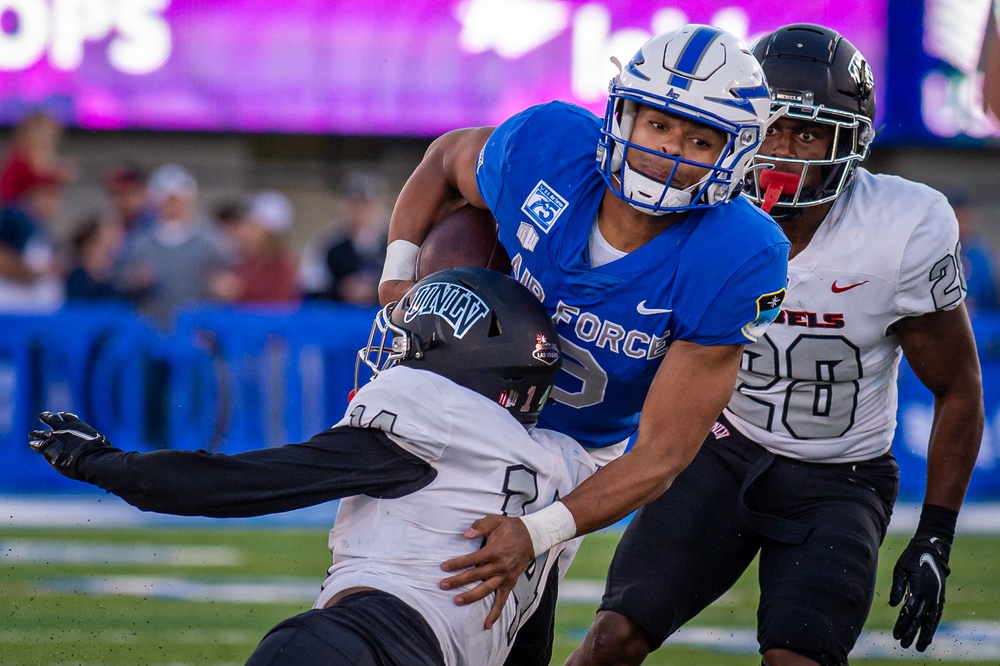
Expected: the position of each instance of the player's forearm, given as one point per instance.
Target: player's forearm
(425, 198)
(991, 66)
(621, 487)
(443, 180)
(954, 446)
(941, 351)
(688, 393)
(194, 483)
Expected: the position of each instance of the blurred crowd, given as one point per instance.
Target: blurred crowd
(151, 243)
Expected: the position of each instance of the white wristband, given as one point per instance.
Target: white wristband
(550, 526)
(400, 261)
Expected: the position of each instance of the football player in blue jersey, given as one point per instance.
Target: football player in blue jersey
(631, 232)
(798, 469)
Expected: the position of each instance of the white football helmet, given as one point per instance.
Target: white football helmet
(699, 73)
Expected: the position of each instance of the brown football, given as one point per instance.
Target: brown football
(466, 237)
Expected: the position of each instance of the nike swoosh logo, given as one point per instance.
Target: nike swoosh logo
(642, 309)
(77, 433)
(929, 561)
(839, 290)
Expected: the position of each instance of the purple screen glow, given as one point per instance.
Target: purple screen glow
(379, 67)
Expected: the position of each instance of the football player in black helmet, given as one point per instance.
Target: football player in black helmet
(438, 438)
(798, 468)
(817, 78)
(477, 327)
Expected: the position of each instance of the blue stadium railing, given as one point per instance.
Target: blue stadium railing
(231, 379)
(225, 379)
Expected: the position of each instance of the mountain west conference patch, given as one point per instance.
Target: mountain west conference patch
(768, 306)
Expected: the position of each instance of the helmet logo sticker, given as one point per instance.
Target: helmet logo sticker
(862, 74)
(508, 398)
(633, 66)
(544, 206)
(545, 351)
(743, 96)
(457, 305)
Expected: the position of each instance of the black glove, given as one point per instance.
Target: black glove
(68, 439)
(919, 577)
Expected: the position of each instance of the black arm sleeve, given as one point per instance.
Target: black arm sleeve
(336, 463)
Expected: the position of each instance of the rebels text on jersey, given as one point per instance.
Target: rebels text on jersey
(821, 384)
(486, 463)
(715, 277)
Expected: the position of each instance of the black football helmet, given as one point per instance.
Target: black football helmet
(477, 327)
(815, 74)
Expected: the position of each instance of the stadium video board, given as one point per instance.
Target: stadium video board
(379, 67)
(943, 57)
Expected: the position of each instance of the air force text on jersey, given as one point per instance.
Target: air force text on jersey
(607, 334)
(604, 333)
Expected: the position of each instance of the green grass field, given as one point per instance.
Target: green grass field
(103, 596)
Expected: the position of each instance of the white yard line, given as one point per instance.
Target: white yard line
(960, 641)
(91, 510)
(107, 554)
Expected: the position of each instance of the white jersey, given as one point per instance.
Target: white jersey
(486, 463)
(821, 384)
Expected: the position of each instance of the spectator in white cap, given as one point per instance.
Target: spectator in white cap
(172, 181)
(174, 262)
(265, 271)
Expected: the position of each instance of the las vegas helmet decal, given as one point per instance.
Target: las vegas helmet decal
(545, 351)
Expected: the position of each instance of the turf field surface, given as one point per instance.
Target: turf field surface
(206, 594)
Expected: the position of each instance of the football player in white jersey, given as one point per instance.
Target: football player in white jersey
(442, 435)
(798, 468)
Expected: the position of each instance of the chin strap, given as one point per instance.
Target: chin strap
(785, 213)
(653, 193)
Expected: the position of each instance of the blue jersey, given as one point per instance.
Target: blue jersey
(715, 277)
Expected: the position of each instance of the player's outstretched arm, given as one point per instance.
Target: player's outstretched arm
(443, 181)
(690, 390)
(336, 463)
(941, 351)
